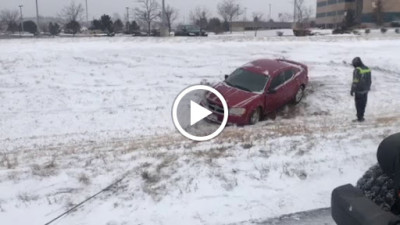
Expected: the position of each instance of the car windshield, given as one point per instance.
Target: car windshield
(247, 80)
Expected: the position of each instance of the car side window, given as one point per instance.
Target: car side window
(289, 74)
(277, 81)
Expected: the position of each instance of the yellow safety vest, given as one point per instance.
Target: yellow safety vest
(362, 72)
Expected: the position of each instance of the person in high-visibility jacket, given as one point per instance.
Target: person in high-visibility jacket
(360, 87)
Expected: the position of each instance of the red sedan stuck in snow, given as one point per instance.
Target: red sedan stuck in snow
(257, 89)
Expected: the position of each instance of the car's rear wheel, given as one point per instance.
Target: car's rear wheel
(299, 95)
(255, 116)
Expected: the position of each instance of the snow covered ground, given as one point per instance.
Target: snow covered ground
(78, 114)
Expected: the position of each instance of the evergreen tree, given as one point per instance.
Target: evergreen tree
(73, 27)
(118, 26)
(30, 26)
(54, 29)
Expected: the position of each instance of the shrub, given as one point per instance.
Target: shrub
(367, 31)
(397, 30)
(215, 25)
(72, 27)
(84, 179)
(30, 26)
(54, 29)
(383, 30)
(12, 27)
(279, 33)
(301, 32)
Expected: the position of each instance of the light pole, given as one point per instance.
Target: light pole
(269, 15)
(128, 25)
(22, 20)
(294, 12)
(164, 31)
(87, 14)
(37, 17)
(127, 14)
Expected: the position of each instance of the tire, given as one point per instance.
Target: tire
(378, 187)
(299, 95)
(255, 116)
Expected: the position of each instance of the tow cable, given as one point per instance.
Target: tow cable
(88, 199)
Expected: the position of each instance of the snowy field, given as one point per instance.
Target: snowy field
(78, 114)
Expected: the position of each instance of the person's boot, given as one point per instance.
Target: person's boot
(359, 120)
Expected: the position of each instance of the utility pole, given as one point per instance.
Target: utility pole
(128, 28)
(22, 20)
(87, 14)
(238, 11)
(294, 12)
(269, 15)
(164, 30)
(37, 17)
(127, 14)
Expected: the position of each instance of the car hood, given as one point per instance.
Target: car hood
(234, 97)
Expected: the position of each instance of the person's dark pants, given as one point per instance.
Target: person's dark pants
(361, 102)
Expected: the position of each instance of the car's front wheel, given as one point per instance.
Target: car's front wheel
(299, 95)
(255, 116)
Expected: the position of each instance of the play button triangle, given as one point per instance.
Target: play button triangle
(197, 113)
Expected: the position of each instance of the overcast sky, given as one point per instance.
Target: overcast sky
(100, 7)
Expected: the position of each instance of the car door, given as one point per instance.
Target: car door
(291, 84)
(275, 95)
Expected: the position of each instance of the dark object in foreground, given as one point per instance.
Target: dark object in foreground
(351, 207)
(379, 188)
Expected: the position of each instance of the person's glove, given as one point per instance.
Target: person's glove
(352, 93)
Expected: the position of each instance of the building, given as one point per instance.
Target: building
(330, 13)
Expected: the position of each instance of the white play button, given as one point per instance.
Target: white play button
(189, 117)
(197, 113)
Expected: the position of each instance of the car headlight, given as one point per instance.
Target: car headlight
(237, 111)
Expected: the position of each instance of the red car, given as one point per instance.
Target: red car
(257, 89)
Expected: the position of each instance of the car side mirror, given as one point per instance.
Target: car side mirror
(226, 76)
(271, 91)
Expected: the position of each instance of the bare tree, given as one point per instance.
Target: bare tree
(257, 19)
(378, 12)
(199, 16)
(116, 17)
(285, 17)
(171, 14)
(10, 19)
(72, 12)
(229, 10)
(44, 27)
(303, 13)
(148, 12)
(9, 16)
(258, 16)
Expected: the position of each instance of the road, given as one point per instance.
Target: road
(313, 217)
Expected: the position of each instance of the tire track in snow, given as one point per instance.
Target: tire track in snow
(266, 129)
